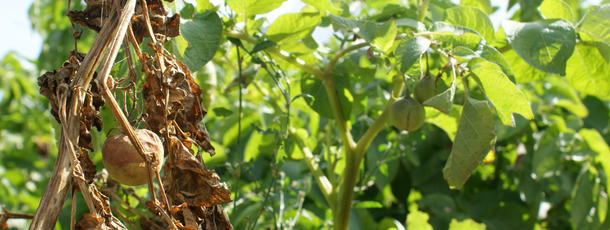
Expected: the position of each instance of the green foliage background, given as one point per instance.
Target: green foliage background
(543, 77)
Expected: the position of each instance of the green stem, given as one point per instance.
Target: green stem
(333, 61)
(325, 185)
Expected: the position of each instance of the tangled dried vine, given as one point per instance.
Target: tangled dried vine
(190, 194)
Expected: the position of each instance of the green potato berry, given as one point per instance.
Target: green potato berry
(424, 88)
(407, 114)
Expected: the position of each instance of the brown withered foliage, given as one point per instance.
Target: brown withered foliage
(172, 109)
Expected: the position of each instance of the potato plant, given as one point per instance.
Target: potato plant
(413, 114)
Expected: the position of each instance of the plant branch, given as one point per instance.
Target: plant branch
(275, 51)
(333, 61)
(325, 186)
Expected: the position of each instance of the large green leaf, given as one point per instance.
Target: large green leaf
(493, 55)
(588, 72)
(321, 103)
(582, 197)
(203, 34)
(385, 35)
(546, 45)
(473, 18)
(290, 27)
(484, 5)
(247, 8)
(597, 23)
(474, 138)
(596, 142)
(323, 6)
(556, 9)
(503, 93)
(447, 122)
(409, 50)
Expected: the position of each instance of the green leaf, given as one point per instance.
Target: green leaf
(248, 8)
(323, 6)
(414, 24)
(546, 45)
(447, 122)
(523, 71)
(294, 26)
(204, 5)
(380, 35)
(582, 197)
(561, 94)
(493, 55)
(203, 34)
(385, 35)
(474, 138)
(503, 93)
(222, 112)
(409, 50)
(597, 23)
(320, 102)
(473, 18)
(596, 142)
(368, 204)
(418, 220)
(484, 5)
(588, 72)
(556, 9)
(467, 224)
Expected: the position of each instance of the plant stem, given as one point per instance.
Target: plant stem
(325, 185)
(275, 51)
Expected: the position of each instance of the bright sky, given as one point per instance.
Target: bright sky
(26, 42)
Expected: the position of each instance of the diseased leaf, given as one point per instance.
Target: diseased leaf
(409, 50)
(597, 23)
(505, 96)
(546, 45)
(203, 34)
(294, 26)
(588, 72)
(474, 138)
(473, 18)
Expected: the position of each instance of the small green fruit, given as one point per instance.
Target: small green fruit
(424, 88)
(123, 161)
(407, 114)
